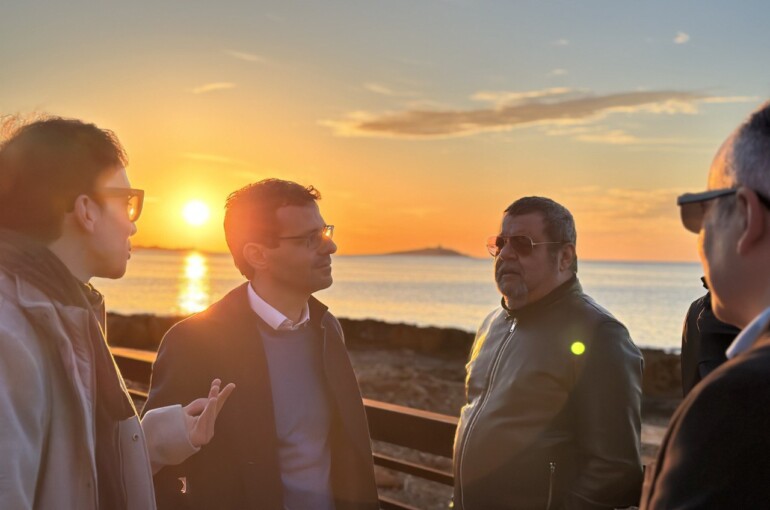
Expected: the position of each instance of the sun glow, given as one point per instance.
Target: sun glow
(196, 213)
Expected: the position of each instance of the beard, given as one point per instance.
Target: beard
(510, 282)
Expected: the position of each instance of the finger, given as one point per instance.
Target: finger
(203, 430)
(224, 395)
(214, 390)
(196, 407)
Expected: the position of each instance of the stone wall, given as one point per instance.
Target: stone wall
(662, 376)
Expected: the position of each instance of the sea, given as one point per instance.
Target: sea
(650, 298)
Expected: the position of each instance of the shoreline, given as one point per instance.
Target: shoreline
(662, 375)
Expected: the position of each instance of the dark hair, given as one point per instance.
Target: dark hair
(559, 223)
(250, 215)
(45, 165)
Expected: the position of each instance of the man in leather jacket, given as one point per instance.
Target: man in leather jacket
(553, 385)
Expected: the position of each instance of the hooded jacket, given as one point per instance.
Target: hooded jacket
(48, 373)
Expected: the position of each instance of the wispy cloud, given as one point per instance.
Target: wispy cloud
(213, 158)
(247, 57)
(731, 99)
(681, 38)
(558, 72)
(211, 87)
(385, 90)
(554, 106)
(501, 98)
(561, 42)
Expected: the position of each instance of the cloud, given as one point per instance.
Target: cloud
(247, 57)
(503, 98)
(558, 72)
(384, 90)
(509, 110)
(731, 99)
(561, 42)
(211, 87)
(681, 38)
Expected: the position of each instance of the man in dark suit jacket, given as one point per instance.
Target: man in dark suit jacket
(716, 453)
(294, 434)
(704, 342)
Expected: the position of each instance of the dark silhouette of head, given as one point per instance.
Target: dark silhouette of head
(45, 165)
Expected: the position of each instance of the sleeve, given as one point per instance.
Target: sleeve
(168, 442)
(24, 419)
(715, 455)
(608, 415)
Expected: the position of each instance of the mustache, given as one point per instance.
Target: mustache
(503, 269)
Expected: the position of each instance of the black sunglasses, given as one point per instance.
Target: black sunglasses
(522, 245)
(134, 200)
(693, 206)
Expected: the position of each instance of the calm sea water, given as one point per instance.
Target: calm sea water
(650, 298)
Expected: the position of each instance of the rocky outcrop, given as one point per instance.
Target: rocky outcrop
(662, 376)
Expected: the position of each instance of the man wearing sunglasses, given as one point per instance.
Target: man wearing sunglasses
(553, 384)
(295, 434)
(716, 453)
(69, 434)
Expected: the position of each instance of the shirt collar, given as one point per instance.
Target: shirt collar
(273, 317)
(749, 335)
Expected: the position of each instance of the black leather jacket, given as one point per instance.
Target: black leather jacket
(545, 425)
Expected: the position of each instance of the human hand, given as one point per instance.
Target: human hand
(201, 413)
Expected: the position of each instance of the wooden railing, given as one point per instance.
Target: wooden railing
(423, 431)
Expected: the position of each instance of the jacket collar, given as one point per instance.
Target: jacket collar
(569, 287)
(750, 334)
(237, 300)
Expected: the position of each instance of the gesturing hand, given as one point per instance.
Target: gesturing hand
(201, 414)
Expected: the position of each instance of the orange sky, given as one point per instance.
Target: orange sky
(418, 121)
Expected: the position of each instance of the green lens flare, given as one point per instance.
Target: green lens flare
(578, 348)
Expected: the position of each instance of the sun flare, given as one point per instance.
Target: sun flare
(196, 213)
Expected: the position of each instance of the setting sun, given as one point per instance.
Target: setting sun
(196, 213)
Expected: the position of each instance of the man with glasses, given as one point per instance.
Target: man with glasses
(69, 434)
(553, 384)
(295, 436)
(716, 453)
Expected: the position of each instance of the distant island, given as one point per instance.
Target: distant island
(437, 251)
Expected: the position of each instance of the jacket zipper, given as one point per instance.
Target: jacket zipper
(551, 473)
(474, 418)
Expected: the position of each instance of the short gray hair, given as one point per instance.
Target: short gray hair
(750, 156)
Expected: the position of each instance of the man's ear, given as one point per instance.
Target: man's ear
(86, 212)
(566, 256)
(255, 256)
(752, 216)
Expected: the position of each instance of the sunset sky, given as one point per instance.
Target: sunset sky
(419, 121)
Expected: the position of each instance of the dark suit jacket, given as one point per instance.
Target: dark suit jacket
(716, 453)
(704, 342)
(238, 469)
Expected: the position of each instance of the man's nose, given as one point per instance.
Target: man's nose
(328, 246)
(133, 229)
(507, 251)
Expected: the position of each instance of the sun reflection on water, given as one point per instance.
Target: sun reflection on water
(194, 289)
